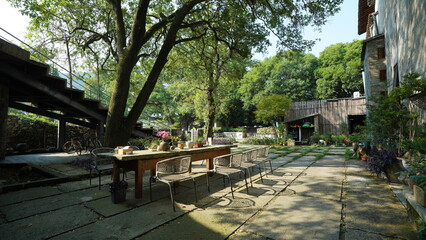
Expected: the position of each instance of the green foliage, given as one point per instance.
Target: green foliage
(339, 73)
(288, 73)
(339, 139)
(228, 129)
(265, 130)
(389, 115)
(316, 136)
(143, 143)
(272, 108)
(38, 131)
(260, 141)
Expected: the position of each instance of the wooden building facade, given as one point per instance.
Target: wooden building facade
(338, 116)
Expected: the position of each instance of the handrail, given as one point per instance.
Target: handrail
(91, 92)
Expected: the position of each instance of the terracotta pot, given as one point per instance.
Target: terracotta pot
(419, 195)
(363, 158)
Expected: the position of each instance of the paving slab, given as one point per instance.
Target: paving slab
(319, 187)
(45, 158)
(126, 225)
(28, 194)
(42, 205)
(48, 224)
(314, 219)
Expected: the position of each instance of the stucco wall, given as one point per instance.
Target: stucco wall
(403, 24)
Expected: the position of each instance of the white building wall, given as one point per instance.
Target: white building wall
(404, 26)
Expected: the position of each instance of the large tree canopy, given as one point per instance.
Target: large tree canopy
(288, 73)
(339, 72)
(129, 34)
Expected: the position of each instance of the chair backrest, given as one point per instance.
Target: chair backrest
(101, 159)
(266, 151)
(260, 152)
(222, 161)
(236, 160)
(175, 165)
(253, 155)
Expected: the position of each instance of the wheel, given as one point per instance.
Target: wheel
(68, 147)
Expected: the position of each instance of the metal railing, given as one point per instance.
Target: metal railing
(55, 69)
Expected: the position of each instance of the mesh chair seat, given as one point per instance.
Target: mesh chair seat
(173, 170)
(226, 165)
(175, 177)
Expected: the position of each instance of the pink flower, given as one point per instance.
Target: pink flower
(163, 134)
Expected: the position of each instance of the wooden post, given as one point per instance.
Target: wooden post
(60, 140)
(4, 107)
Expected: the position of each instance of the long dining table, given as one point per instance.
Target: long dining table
(143, 160)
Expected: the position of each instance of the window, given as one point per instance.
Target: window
(381, 53)
(395, 75)
(382, 76)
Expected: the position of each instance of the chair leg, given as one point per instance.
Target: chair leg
(264, 166)
(270, 165)
(260, 172)
(90, 179)
(171, 196)
(248, 171)
(230, 184)
(223, 178)
(245, 179)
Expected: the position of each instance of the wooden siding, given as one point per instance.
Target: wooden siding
(331, 113)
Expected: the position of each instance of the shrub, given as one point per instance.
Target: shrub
(143, 143)
(260, 141)
(266, 130)
(223, 141)
(379, 160)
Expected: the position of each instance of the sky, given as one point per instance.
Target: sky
(342, 27)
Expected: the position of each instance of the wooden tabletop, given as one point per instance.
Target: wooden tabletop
(148, 154)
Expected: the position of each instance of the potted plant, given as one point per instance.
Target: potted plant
(384, 161)
(199, 142)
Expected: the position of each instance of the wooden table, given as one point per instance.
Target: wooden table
(143, 160)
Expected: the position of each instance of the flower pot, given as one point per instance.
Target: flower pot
(363, 158)
(118, 191)
(419, 195)
(164, 146)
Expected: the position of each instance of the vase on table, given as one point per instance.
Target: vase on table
(164, 146)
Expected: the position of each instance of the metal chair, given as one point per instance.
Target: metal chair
(169, 171)
(100, 162)
(226, 165)
(262, 155)
(249, 162)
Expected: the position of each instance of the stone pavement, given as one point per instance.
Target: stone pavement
(313, 193)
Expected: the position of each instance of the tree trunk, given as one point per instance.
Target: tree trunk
(67, 43)
(115, 129)
(118, 128)
(211, 113)
(274, 127)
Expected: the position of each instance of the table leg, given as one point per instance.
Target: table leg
(138, 179)
(115, 172)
